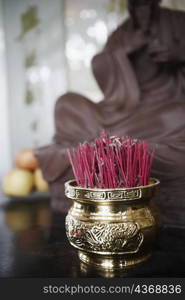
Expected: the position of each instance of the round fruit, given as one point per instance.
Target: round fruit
(40, 184)
(18, 183)
(26, 160)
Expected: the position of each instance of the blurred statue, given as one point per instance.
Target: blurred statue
(141, 72)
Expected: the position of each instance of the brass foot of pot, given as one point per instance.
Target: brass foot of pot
(110, 262)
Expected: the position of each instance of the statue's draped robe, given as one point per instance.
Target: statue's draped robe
(142, 99)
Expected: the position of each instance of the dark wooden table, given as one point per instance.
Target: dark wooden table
(33, 244)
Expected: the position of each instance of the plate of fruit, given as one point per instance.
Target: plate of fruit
(25, 181)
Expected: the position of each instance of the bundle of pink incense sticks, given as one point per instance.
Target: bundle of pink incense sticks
(112, 162)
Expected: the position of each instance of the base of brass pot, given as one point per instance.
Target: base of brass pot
(110, 262)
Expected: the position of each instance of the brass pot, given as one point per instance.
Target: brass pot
(112, 228)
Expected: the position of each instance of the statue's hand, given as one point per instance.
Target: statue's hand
(161, 53)
(136, 42)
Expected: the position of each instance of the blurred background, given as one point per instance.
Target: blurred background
(46, 49)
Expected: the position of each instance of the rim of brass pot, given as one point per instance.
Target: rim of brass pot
(110, 196)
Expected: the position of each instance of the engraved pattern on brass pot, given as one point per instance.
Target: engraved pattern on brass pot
(112, 228)
(119, 194)
(106, 238)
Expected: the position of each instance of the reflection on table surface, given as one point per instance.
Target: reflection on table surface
(33, 243)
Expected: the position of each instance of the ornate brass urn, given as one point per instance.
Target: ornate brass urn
(112, 228)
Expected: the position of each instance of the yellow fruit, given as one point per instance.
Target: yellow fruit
(18, 183)
(40, 184)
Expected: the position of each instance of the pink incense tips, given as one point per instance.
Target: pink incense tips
(112, 162)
